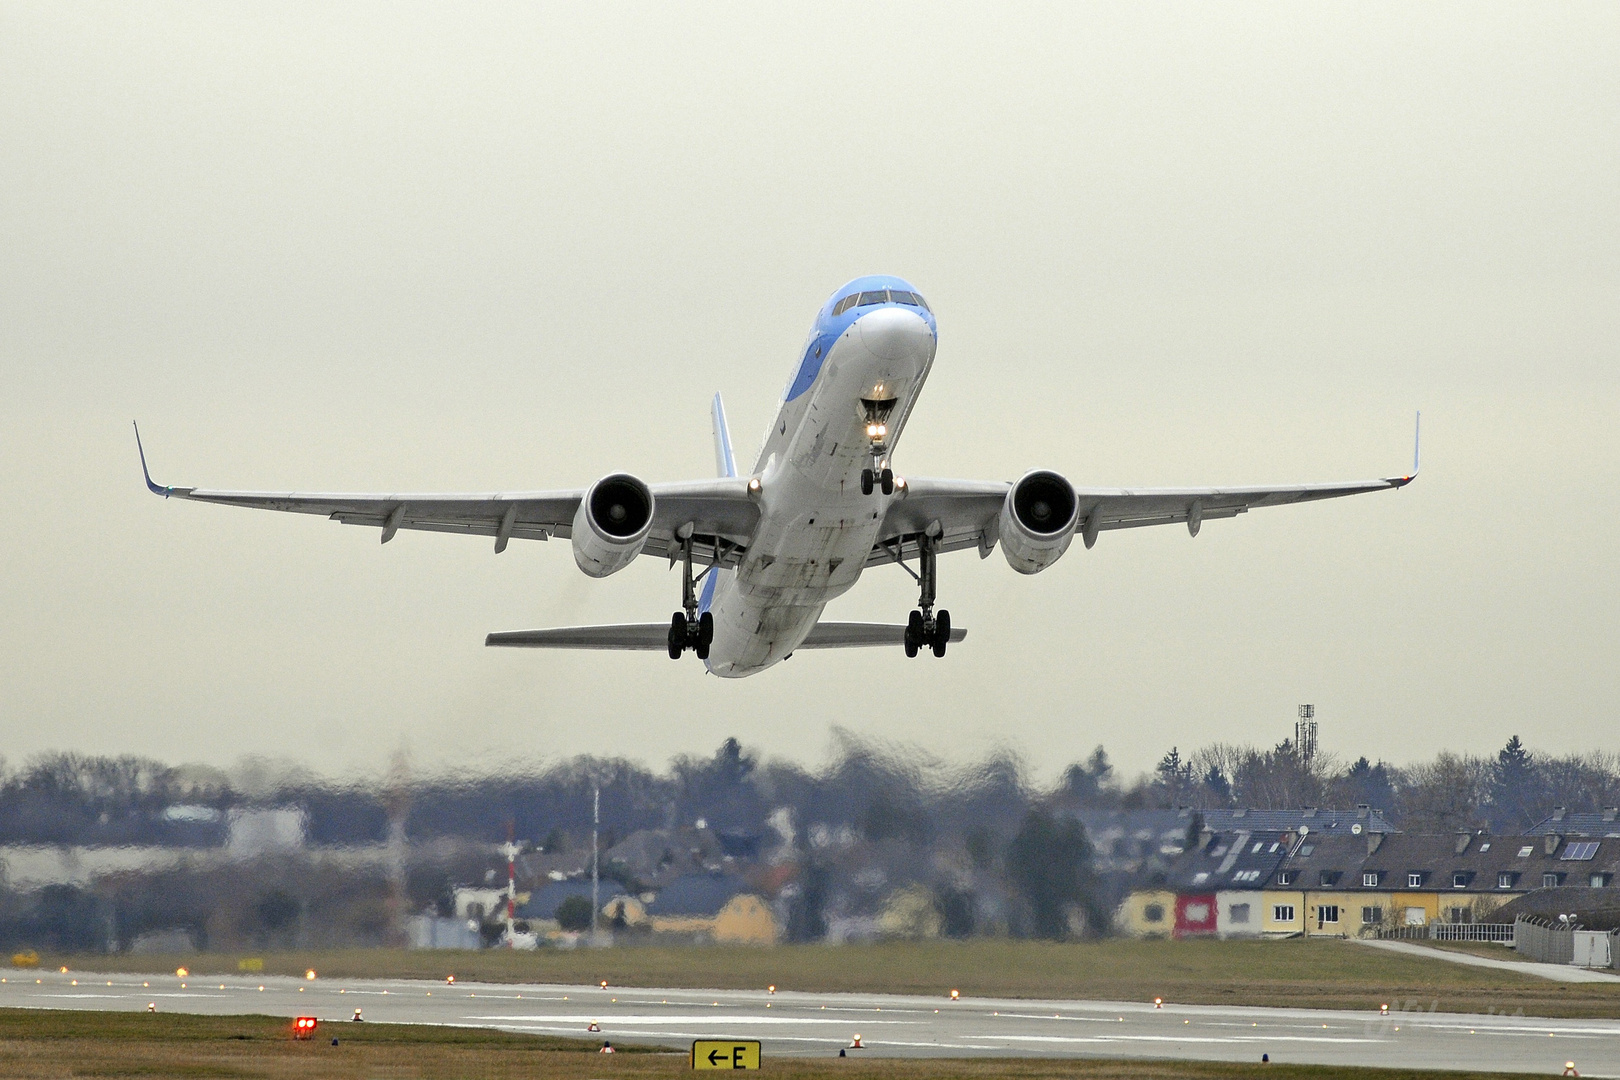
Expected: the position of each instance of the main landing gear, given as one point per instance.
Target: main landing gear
(927, 629)
(688, 629)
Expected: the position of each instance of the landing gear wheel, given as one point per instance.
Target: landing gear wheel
(705, 637)
(942, 632)
(677, 635)
(914, 633)
(886, 479)
(866, 481)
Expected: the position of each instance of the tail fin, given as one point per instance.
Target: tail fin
(724, 460)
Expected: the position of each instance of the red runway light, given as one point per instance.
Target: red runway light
(304, 1027)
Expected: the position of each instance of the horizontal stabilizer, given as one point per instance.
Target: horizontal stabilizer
(654, 637)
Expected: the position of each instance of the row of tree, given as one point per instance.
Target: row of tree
(880, 792)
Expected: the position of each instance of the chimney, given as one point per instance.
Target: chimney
(1559, 812)
(1463, 837)
(1550, 842)
(1611, 812)
(1374, 842)
(1363, 809)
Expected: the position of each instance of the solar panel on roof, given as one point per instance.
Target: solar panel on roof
(1579, 851)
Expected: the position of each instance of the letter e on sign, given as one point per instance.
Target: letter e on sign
(725, 1054)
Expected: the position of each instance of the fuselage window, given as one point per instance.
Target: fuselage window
(877, 296)
(845, 304)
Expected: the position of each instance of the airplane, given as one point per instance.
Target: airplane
(821, 504)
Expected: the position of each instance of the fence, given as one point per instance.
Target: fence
(1500, 933)
(1552, 943)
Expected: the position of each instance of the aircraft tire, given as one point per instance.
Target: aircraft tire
(866, 481)
(886, 480)
(942, 632)
(677, 635)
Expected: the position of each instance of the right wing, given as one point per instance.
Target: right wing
(965, 514)
(720, 513)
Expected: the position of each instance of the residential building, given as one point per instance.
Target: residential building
(1347, 884)
(1605, 822)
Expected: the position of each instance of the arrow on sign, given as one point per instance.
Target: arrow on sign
(715, 1056)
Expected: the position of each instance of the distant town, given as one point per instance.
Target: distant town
(131, 855)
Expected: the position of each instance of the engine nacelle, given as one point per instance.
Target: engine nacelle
(1037, 521)
(611, 524)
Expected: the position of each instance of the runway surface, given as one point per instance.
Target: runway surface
(820, 1024)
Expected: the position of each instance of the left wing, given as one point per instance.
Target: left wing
(965, 514)
(721, 516)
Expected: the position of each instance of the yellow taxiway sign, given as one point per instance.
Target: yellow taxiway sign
(725, 1054)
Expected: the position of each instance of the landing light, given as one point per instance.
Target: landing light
(310, 974)
(181, 973)
(956, 995)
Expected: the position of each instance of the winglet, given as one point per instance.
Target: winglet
(1417, 454)
(724, 460)
(155, 489)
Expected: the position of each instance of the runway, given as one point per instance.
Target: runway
(820, 1024)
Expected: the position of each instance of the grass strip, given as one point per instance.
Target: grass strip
(59, 1043)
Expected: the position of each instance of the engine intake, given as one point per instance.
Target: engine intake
(611, 524)
(1037, 521)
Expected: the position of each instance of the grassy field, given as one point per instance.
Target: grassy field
(1310, 973)
(49, 1044)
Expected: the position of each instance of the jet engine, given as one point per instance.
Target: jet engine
(1037, 521)
(611, 524)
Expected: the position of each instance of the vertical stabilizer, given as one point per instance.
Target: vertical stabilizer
(724, 460)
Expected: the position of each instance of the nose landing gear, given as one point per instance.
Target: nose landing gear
(875, 411)
(877, 478)
(687, 628)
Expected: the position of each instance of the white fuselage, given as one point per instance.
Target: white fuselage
(816, 526)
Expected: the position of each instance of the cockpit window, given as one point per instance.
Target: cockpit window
(878, 296)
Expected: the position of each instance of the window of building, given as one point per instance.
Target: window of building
(1416, 916)
(1579, 851)
(1414, 879)
(1505, 879)
(1327, 915)
(1282, 913)
(1285, 877)
(1200, 877)
(1459, 880)
(1372, 915)
(1524, 852)
(1305, 850)
(1369, 879)
(1601, 881)
(1486, 846)
(1460, 914)
(1549, 880)
(1237, 913)
(1330, 878)
(1153, 913)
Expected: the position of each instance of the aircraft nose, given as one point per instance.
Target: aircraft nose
(895, 333)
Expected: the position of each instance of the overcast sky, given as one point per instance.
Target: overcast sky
(475, 247)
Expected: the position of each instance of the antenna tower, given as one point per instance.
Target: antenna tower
(1305, 733)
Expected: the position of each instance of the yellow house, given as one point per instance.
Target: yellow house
(1147, 913)
(745, 920)
(1282, 911)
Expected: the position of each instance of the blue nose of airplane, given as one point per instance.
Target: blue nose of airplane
(895, 333)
